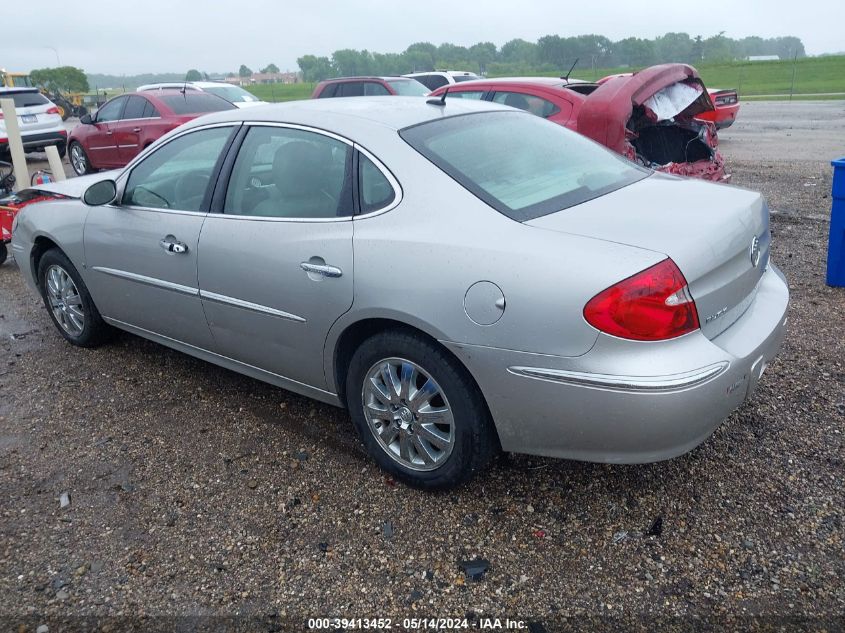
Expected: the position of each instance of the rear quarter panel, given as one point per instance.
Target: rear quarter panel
(416, 263)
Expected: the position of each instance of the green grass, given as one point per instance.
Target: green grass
(812, 75)
(282, 92)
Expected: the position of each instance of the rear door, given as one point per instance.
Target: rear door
(275, 265)
(142, 253)
(128, 130)
(102, 143)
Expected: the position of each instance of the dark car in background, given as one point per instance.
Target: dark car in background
(369, 87)
(127, 124)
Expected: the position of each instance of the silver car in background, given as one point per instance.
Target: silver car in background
(463, 277)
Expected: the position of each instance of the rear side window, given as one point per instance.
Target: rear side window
(351, 89)
(530, 103)
(373, 89)
(459, 78)
(289, 173)
(432, 82)
(150, 111)
(26, 99)
(134, 108)
(408, 87)
(466, 94)
(375, 190)
(195, 103)
(522, 166)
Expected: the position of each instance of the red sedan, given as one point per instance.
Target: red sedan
(127, 124)
(650, 117)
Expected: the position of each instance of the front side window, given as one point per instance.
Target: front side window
(530, 103)
(177, 175)
(522, 166)
(290, 173)
(111, 111)
(375, 190)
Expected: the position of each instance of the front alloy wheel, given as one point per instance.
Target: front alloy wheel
(78, 159)
(408, 414)
(65, 301)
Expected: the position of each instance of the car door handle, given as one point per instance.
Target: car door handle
(172, 245)
(136, 129)
(109, 133)
(321, 269)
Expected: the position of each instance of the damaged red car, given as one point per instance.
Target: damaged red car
(649, 117)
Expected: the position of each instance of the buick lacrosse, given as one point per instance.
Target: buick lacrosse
(464, 277)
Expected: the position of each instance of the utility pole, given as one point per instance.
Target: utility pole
(58, 62)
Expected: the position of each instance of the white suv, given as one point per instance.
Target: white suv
(436, 78)
(38, 119)
(233, 94)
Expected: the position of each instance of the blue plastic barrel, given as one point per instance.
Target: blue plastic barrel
(836, 243)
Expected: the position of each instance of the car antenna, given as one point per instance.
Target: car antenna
(571, 68)
(441, 101)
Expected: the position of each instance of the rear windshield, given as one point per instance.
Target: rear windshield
(25, 99)
(195, 103)
(233, 94)
(519, 164)
(459, 78)
(408, 87)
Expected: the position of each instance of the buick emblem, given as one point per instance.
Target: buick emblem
(755, 251)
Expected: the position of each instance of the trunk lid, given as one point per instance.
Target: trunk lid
(707, 230)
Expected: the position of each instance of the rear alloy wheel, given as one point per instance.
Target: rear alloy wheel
(68, 301)
(79, 160)
(418, 412)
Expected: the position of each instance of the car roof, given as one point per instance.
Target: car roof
(11, 89)
(352, 116)
(551, 82)
(366, 77)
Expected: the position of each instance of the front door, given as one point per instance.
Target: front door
(142, 253)
(275, 267)
(102, 143)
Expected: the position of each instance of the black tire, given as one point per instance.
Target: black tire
(62, 149)
(95, 331)
(82, 167)
(475, 440)
(4, 252)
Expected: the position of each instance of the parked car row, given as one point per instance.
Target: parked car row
(511, 285)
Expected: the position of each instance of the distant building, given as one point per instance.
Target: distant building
(264, 78)
(763, 58)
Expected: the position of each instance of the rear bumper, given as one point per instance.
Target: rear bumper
(627, 401)
(38, 141)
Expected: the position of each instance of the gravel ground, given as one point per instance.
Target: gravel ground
(198, 493)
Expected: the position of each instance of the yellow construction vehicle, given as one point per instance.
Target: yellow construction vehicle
(9, 79)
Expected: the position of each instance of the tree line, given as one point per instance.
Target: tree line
(549, 54)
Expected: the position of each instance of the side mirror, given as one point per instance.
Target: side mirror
(87, 119)
(100, 193)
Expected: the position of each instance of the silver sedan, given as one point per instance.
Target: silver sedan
(465, 278)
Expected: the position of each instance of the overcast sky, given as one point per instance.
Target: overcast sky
(119, 37)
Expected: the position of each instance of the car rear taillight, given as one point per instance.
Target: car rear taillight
(53, 110)
(653, 305)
